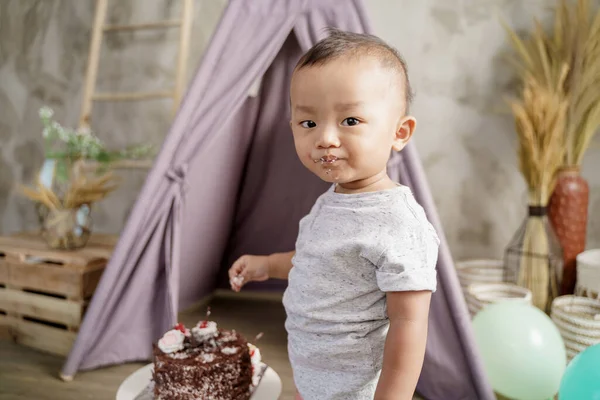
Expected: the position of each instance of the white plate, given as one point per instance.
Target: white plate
(269, 387)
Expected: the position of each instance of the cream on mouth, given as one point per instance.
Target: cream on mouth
(326, 160)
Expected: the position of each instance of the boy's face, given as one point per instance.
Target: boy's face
(347, 116)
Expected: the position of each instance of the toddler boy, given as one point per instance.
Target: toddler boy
(363, 270)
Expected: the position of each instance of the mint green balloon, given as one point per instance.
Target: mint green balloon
(582, 376)
(522, 350)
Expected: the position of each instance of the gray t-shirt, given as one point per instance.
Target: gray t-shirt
(351, 250)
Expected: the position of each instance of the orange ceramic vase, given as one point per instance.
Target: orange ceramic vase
(568, 213)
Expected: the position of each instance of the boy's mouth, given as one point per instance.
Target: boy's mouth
(328, 159)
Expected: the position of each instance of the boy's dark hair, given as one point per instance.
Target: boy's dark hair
(341, 43)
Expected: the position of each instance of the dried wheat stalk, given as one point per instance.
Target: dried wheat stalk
(574, 41)
(556, 118)
(540, 119)
(82, 190)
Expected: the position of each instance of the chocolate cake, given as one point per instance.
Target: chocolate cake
(206, 363)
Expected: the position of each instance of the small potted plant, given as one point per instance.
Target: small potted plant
(76, 174)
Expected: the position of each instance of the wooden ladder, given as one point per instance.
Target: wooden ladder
(99, 29)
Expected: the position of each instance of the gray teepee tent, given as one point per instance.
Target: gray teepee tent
(227, 181)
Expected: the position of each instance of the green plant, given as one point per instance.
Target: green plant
(73, 182)
(68, 146)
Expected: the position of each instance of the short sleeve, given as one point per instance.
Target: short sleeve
(408, 262)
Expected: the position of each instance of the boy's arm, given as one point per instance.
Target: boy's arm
(280, 264)
(404, 345)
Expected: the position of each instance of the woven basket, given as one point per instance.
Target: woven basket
(588, 274)
(479, 271)
(578, 320)
(481, 294)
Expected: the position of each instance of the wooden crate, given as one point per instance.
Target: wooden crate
(44, 293)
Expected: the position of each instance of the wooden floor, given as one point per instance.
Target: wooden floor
(32, 375)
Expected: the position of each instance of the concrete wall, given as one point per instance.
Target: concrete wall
(465, 137)
(44, 46)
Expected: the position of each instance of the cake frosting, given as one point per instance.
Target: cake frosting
(204, 330)
(205, 362)
(171, 341)
(256, 361)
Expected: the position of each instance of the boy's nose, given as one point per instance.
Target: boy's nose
(328, 138)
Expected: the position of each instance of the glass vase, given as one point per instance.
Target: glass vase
(63, 227)
(67, 228)
(533, 258)
(56, 175)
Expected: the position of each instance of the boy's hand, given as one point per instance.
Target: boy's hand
(247, 269)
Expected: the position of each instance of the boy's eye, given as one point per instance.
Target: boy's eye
(350, 121)
(308, 124)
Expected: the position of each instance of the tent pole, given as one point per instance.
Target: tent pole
(184, 48)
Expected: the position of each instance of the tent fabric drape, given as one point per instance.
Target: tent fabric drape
(227, 181)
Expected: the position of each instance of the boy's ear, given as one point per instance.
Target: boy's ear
(404, 131)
